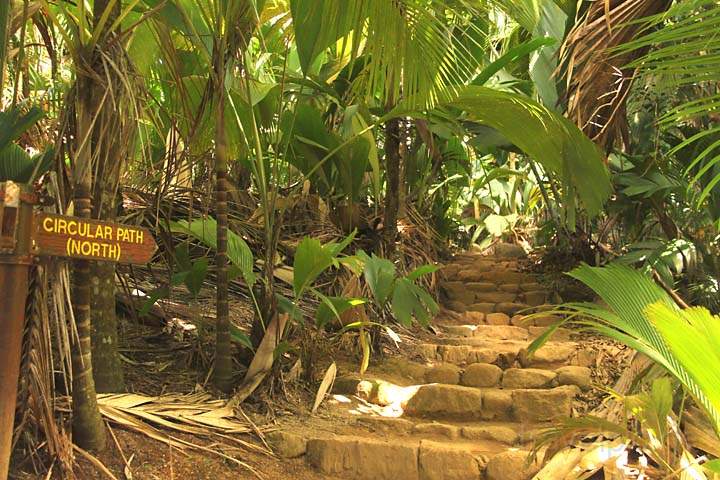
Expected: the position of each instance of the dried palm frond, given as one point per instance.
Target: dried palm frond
(194, 414)
(598, 80)
(36, 424)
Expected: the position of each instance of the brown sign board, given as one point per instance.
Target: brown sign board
(71, 237)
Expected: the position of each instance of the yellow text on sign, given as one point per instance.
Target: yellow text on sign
(89, 231)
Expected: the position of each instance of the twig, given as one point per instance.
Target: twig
(670, 291)
(97, 463)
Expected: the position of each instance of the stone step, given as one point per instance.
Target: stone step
(503, 332)
(484, 375)
(361, 458)
(526, 396)
(506, 353)
(503, 433)
(438, 401)
(508, 308)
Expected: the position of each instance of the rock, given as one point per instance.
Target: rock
(483, 307)
(475, 318)
(545, 320)
(510, 465)
(457, 306)
(439, 429)
(479, 287)
(550, 355)
(497, 404)
(506, 276)
(542, 405)
(501, 332)
(449, 401)
(494, 297)
(456, 354)
(509, 287)
(527, 378)
(496, 433)
(428, 351)
(585, 357)
(458, 292)
(481, 375)
(573, 375)
(530, 287)
(443, 373)
(460, 330)
(510, 308)
(450, 270)
(535, 297)
(413, 370)
(387, 393)
(560, 333)
(441, 462)
(386, 424)
(520, 321)
(509, 250)
(503, 359)
(363, 458)
(346, 385)
(497, 319)
(287, 445)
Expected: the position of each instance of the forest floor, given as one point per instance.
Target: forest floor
(382, 417)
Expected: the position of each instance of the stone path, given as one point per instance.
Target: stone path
(470, 402)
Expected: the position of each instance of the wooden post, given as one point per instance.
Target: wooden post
(16, 204)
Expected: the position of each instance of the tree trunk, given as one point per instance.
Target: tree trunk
(108, 152)
(5, 8)
(223, 358)
(392, 180)
(107, 366)
(87, 426)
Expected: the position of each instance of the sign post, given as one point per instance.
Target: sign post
(25, 234)
(16, 209)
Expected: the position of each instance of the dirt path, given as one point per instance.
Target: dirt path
(466, 405)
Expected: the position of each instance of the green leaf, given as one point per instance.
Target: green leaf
(332, 307)
(712, 465)
(311, 259)
(14, 123)
(549, 138)
(422, 271)
(205, 230)
(379, 275)
(318, 23)
(238, 336)
(511, 56)
(155, 295)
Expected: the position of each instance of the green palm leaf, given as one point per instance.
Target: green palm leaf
(547, 137)
(643, 316)
(685, 53)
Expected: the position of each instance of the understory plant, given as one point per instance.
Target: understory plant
(683, 343)
(643, 316)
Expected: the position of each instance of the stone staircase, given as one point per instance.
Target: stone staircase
(469, 402)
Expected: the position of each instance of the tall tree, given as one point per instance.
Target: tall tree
(112, 141)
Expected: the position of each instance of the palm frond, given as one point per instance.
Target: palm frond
(681, 50)
(547, 137)
(643, 316)
(597, 78)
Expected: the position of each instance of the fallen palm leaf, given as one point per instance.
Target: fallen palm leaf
(325, 386)
(263, 360)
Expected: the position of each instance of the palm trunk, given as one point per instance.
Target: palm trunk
(5, 8)
(107, 366)
(87, 425)
(223, 358)
(392, 179)
(108, 151)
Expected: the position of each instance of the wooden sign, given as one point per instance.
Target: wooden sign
(71, 237)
